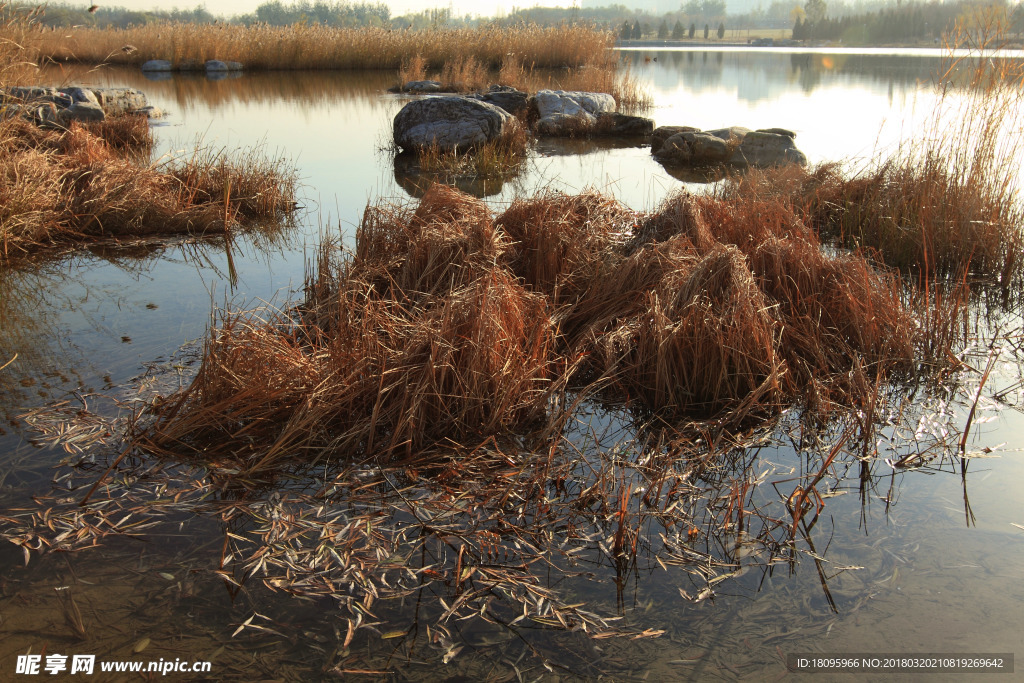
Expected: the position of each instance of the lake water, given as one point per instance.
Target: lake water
(915, 561)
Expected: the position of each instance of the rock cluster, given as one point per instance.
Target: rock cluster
(462, 122)
(60, 106)
(466, 122)
(687, 146)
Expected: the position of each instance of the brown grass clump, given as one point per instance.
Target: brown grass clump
(449, 325)
(87, 182)
(705, 340)
(559, 241)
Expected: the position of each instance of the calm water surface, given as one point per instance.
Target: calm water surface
(923, 561)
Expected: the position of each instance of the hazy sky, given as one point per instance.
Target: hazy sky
(232, 7)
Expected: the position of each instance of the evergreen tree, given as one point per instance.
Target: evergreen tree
(663, 30)
(707, 31)
(678, 31)
(626, 32)
(693, 29)
(721, 30)
(637, 31)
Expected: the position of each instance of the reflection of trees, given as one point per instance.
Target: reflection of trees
(778, 70)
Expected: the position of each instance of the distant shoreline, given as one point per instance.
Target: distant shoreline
(786, 43)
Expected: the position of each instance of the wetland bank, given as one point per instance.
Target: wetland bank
(591, 534)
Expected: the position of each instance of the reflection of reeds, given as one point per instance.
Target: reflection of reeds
(448, 324)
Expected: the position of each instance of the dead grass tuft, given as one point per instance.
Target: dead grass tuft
(447, 325)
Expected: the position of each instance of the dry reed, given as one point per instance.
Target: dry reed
(449, 326)
(87, 182)
(319, 47)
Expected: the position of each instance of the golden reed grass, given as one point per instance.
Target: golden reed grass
(448, 325)
(319, 47)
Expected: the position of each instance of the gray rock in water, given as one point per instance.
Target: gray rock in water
(564, 112)
(732, 133)
(451, 123)
(83, 111)
(734, 145)
(508, 98)
(777, 131)
(622, 125)
(81, 95)
(218, 65)
(662, 133)
(695, 149)
(767, 149)
(150, 112)
(120, 100)
(157, 65)
(422, 86)
(37, 95)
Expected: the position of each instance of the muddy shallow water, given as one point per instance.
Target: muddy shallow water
(912, 561)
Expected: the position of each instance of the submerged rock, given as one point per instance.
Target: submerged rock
(451, 123)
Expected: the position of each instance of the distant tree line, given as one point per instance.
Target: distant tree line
(337, 14)
(905, 22)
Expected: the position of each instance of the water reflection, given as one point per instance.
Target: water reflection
(888, 558)
(415, 182)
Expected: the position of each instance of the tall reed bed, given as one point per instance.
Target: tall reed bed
(319, 47)
(449, 325)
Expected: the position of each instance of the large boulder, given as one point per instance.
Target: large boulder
(614, 124)
(562, 112)
(451, 123)
(83, 111)
(695, 149)
(117, 101)
(763, 148)
(663, 133)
